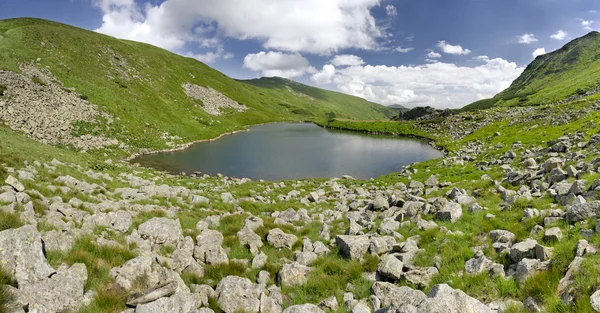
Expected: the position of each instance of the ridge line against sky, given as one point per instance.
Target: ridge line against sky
(441, 53)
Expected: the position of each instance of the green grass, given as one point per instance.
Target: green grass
(6, 298)
(98, 261)
(569, 71)
(330, 275)
(9, 220)
(147, 103)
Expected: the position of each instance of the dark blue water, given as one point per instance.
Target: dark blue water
(295, 150)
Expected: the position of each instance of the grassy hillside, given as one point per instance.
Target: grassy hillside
(569, 71)
(141, 85)
(306, 100)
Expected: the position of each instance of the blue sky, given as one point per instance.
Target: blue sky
(443, 53)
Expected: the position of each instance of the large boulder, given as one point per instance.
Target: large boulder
(161, 231)
(278, 239)
(353, 247)
(119, 221)
(13, 182)
(522, 250)
(444, 299)
(581, 211)
(394, 297)
(452, 211)
(293, 274)
(208, 248)
(22, 256)
(390, 267)
(62, 292)
(235, 294)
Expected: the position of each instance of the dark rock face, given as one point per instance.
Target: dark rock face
(423, 113)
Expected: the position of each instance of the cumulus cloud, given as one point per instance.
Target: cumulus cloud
(390, 10)
(559, 35)
(538, 52)
(280, 25)
(347, 60)
(527, 39)
(324, 76)
(451, 49)
(440, 85)
(272, 63)
(404, 50)
(433, 55)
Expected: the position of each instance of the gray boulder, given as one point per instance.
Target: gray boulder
(552, 163)
(293, 274)
(235, 294)
(452, 211)
(444, 299)
(22, 256)
(161, 231)
(396, 297)
(208, 248)
(353, 247)
(278, 239)
(522, 250)
(61, 292)
(595, 301)
(177, 303)
(13, 182)
(304, 308)
(390, 267)
(581, 211)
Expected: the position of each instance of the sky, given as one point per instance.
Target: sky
(439, 53)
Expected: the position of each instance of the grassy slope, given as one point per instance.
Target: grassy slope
(149, 100)
(318, 100)
(568, 71)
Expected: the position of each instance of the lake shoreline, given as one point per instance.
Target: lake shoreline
(357, 149)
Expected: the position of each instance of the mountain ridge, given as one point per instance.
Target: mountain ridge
(572, 70)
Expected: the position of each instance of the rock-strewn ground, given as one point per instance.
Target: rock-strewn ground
(505, 222)
(212, 101)
(37, 105)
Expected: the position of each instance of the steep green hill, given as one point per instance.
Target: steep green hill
(569, 71)
(141, 86)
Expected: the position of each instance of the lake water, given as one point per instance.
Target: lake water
(292, 151)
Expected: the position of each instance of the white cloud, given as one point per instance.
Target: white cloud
(538, 52)
(347, 60)
(281, 25)
(527, 38)
(559, 35)
(587, 25)
(272, 63)
(451, 49)
(390, 10)
(482, 58)
(433, 55)
(440, 85)
(404, 50)
(410, 38)
(324, 76)
(592, 11)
